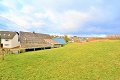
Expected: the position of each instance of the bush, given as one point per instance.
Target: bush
(22, 50)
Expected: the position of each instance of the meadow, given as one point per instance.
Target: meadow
(74, 61)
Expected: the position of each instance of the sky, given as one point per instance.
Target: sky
(72, 17)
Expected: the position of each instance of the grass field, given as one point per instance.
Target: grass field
(89, 61)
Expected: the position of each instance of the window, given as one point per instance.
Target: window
(6, 44)
(6, 40)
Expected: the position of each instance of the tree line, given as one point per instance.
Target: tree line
(114, 37)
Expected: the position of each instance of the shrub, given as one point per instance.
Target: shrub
(22, 50)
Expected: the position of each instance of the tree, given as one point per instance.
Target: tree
(76, 39)
(75, 36)
(66, 38)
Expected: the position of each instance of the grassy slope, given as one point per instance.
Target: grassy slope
(89, 61)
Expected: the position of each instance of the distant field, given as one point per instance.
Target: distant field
(89, 61)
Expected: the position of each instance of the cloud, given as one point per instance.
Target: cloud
(40, 15)
(63, 16)
(27, 9)
(37, 24)
(20, 20)
(8, 3)
(72, 20)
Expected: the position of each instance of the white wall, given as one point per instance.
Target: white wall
(6, 42)
(14, 42)
(11, 42)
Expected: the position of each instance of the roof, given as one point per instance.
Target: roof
(29, 39)
(7, 34)
(51, 41)
(60, 40)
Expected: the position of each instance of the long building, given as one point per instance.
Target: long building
(29, 39)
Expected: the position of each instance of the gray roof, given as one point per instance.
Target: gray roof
(7, 34)
(29, 39)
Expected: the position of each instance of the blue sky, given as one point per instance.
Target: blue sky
(73, 17)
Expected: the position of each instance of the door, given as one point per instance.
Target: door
(1, 45)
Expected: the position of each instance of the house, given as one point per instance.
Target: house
(60, 40)
(78, 39)
(29, 40)
(71, 39)
(9, 39)
(53, 43)
(33, 40)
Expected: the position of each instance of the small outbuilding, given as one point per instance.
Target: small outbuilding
(53, 43)
(60, 40)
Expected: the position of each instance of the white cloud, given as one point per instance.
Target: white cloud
(40, 15)
(62, 22)
(27, 9)
(8, 3)
(67, 21)
(53, 16)
(21, 20)
(38, 24)
(24, 22)
(72, 20)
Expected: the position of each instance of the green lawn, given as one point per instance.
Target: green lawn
(89, 61)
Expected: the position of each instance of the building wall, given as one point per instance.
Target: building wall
(57, 45)
(6, 44)
(11, 43)
(15, 42)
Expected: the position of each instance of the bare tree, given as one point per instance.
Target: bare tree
(114, 37)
